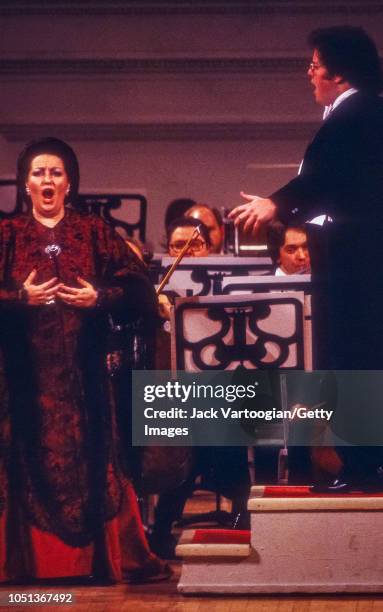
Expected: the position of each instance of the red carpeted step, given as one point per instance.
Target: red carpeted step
(221, 536)
(304, 491)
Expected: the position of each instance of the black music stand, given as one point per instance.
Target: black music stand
(11, 202)
(261, 331)
(107, 206)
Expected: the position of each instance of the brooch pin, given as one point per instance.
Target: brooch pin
(52, 250)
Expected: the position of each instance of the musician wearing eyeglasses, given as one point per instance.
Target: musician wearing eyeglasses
(342, 176)
(179, 233)
(181, 230)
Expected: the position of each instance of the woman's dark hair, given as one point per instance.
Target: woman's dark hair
(188, 222)
(349, 52)
(51, 146)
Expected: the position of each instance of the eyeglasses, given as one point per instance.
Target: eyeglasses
(195, 245)
(313, 66)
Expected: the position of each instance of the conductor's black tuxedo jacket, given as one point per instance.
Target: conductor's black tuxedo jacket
(342, 175)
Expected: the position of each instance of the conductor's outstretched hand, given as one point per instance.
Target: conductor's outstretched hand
(253, 215)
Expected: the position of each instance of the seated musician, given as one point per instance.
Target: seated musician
(222, 468)
(288, 249)
(178, 233)
(181, 230)
(226, 466)
(213, 221)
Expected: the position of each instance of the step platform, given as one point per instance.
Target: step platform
(299, 542)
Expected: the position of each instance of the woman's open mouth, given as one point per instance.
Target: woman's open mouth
(48, 194)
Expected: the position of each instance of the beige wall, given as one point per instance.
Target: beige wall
(197, 99)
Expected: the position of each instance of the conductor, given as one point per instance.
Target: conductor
(342, 176)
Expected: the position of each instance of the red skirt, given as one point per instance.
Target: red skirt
(125, 549)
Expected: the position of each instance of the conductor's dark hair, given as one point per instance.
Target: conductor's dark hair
(50, 146)
(188, 222)
(349, 52)
(276, 236)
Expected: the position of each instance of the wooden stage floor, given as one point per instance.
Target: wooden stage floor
(163, 596)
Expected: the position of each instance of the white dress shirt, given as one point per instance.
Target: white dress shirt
(343, 96)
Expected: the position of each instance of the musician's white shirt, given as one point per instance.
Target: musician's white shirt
(280, 272)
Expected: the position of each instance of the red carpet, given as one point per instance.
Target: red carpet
(221, 536)
(304, 491)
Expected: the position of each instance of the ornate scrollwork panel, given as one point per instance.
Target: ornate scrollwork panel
(106, 205)
(262, 332)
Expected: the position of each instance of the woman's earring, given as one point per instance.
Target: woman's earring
(27, 190)
(68, 190)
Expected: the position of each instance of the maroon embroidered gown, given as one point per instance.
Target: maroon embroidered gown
(65, 507)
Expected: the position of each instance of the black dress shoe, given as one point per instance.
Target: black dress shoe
(339, 485)
(368, 483)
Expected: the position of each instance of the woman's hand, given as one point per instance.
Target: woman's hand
(37, 295)
(256, 213)
(84, 297)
